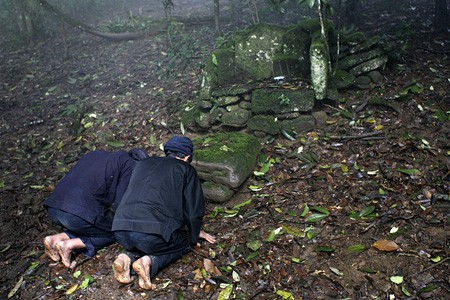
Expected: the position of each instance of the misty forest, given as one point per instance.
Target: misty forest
(321, 133)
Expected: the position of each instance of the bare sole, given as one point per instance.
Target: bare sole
(50, 250)
(122, 269)
(64, 253)
(139, 267)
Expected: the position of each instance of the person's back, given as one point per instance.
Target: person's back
(163, 195)
(93, 184)
(83, 202)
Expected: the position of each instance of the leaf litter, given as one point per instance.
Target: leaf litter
(314, 221)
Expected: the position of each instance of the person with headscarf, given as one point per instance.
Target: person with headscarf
(164, 196)
(84, 202)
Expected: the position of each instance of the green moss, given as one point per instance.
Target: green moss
(265, 101)
(313, 25)
(255, 48)
(309, 25)
(266, 124)
(343, 79)
(319, 67)
(220, 67)
(228, 147)
(189, 115)
(354, 38)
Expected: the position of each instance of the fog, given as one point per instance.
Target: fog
(24, 20)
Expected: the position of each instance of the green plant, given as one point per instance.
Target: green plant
(129, 24)
(284, 100)
(183, 50)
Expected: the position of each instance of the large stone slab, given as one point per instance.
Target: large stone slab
(226, 158)
(274, 102)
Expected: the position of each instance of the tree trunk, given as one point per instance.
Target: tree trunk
(217, 18)
(25, 20)
(352, 9)
(324, 31)
(441, 17)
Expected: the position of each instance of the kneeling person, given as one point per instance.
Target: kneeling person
(163, 196)
(83, 202)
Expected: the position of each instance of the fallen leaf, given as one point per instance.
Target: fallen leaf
(226, 292)
(72, 289)
(386, 245)
(397, 279)
(16, 287)
(436, 259)
(356, 248)
(336, 271)
(197, 274)
(210, 267)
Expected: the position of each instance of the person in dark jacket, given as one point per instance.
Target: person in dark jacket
(163, 196)
(84, 201)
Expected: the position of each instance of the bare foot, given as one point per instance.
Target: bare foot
(65, 249)
(50, 245)
(64, 252)
(122, 268)
(142, 268)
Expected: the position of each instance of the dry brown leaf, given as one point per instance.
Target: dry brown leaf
(197, 274)
(386, 245)
(211, 268)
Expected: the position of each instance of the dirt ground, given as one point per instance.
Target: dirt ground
(312, 227)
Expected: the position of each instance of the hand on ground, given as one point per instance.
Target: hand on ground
(209, 238)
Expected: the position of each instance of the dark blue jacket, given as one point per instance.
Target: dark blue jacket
(164, 194)
(94, 186)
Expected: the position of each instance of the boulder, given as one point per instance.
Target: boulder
(216, 192)
(267, 124)
(225, 158)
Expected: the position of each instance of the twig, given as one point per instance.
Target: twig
(429, 268)
(81, 262)
(360, 136)
(259, 291)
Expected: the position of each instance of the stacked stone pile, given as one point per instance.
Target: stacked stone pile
(359, 61)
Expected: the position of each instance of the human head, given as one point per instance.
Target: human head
(179, 146)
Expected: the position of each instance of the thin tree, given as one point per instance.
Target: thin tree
(441, 17)
(217, 18)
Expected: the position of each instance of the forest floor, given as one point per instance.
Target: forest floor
(362, 216)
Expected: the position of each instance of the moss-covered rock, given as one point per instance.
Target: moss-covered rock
(254, 51)
(369, 65)
(219, 71)
(235, 116)
(363, 82)
(366, 45)
(356, 59)
(209, 82)
(343, 79)
(216, 192)
(267, 124)
(273, 102)
(189, 116)
(354, 38)
(226, 158)
(227, 100)
(232, 91)
(301, 124)
(319, 66)
(203, 119)
(292, 58)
